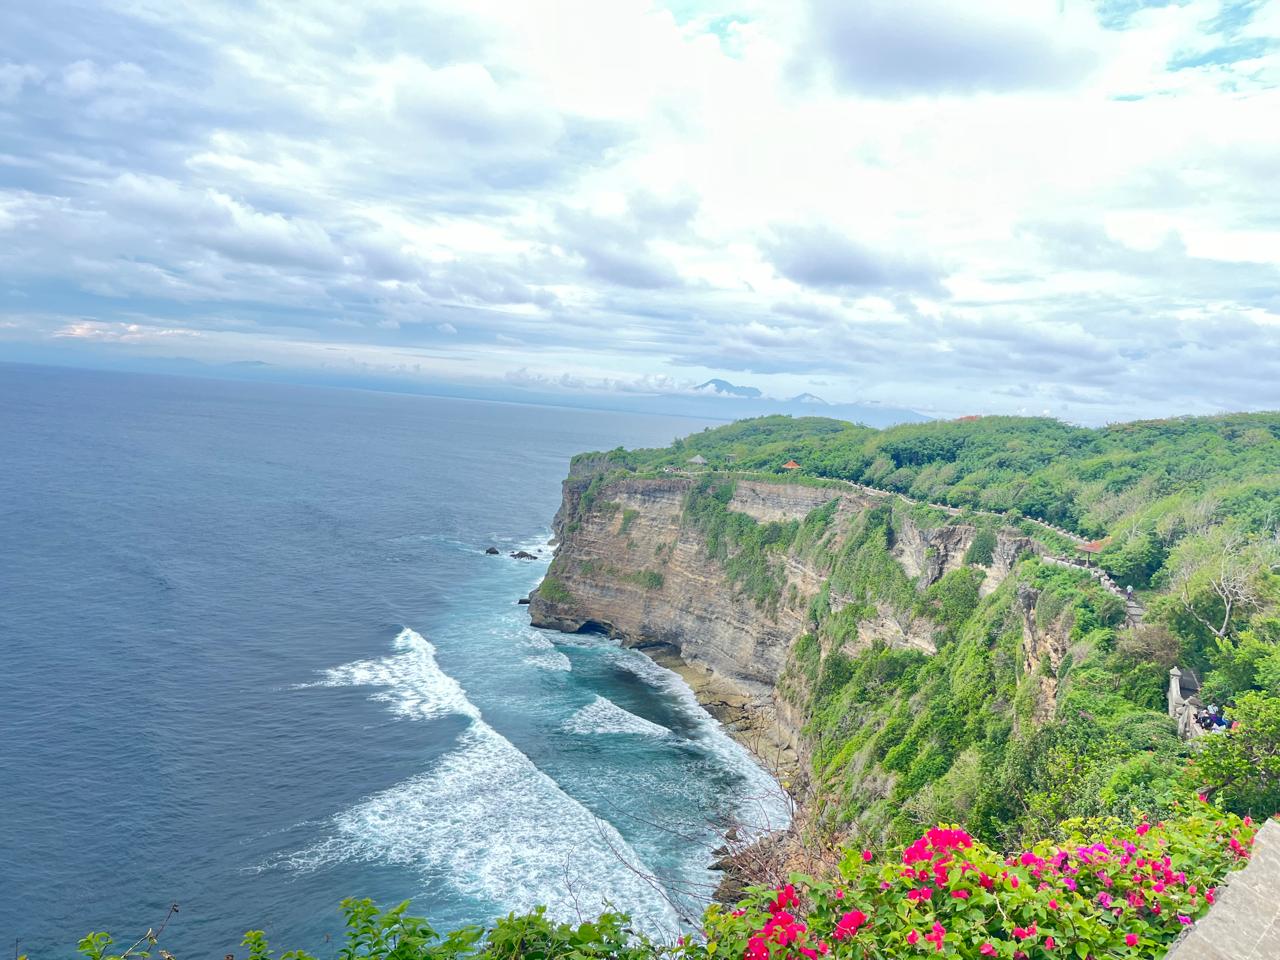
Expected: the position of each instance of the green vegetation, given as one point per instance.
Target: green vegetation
(1040, 703)
(983, 548)
(648, 579)
(628, 517)
(554, 591)
(1133, 480)
(394, 934)
(1099, 890)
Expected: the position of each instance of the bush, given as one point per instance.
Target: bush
(645, 579)
(1102, 890)
(553, 591)
(1240, 768)
(628, 517)
(374, 934)
(983, 548)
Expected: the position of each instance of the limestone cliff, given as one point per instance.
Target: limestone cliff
(630, 563)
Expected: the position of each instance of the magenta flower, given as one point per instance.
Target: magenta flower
(848, 924)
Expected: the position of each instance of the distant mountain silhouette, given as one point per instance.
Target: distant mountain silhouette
(726, 388)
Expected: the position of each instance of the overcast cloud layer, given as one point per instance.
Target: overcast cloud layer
(1010, 206)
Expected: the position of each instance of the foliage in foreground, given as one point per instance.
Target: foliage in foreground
(1101, 891)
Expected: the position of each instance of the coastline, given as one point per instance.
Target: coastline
(754, 725)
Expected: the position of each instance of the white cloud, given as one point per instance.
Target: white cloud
(923, 200)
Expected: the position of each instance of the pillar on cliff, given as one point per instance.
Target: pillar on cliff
(1175, 691)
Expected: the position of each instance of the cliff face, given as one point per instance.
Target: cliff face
(606, 557)
(629, 563)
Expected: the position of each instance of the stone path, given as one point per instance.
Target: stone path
(1133, 609)
(1245, 922)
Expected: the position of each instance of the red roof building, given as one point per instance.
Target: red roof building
(791, 465)
(1093, 546)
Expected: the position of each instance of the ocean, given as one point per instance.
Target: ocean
(254, 659)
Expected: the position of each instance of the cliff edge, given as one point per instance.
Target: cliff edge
(634, 561)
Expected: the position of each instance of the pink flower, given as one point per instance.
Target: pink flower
(913, 938)
(848, 925)
(987, 950)
(1130, 939)
(936, 935)
(866, 856)
(1049, 943)
(1185, 921)
(839, 894)
(1053, 904)
(757, 949)
(1209, 895)
(1143, 828)
(960, 894)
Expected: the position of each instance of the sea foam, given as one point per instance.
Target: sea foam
(602, 715)
(763, 806)
(486, 816)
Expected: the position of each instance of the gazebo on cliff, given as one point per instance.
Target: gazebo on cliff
(1092, 548)
(791, 465)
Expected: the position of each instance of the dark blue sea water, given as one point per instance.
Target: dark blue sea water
(253, 660)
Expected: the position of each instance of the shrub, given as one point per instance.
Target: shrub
(553, 591)
(1241, 767)
(1101, 890)
(645, 579)
(628, 517)
(983, 548)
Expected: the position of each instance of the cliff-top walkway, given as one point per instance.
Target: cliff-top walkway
(1133, 610)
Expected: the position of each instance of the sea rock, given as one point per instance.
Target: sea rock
(523, 555)
(523, 601)
(492, 551)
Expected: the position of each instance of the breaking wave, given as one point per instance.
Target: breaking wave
(602, 715)
(486, 816)
(764, 806)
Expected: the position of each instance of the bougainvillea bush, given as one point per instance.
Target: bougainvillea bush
(1101, 891)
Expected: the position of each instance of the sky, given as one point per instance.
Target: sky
(1007, 206)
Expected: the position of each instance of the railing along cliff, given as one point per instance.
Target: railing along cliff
(1134, 610)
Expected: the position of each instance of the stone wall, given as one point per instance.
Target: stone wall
(1245, 922)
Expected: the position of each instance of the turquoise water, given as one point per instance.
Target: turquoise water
(255, 660)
